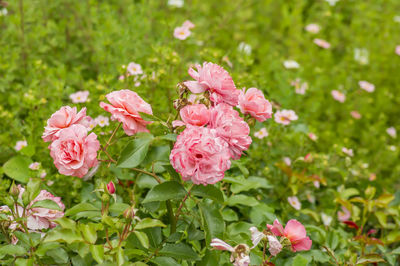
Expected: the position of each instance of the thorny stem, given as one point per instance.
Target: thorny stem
(178, 212)
(264, 250)
(331, 254)
(147, 173)
(112, 136)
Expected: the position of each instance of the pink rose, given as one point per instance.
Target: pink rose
(61, 119)
(295, 232)
(41, 218)
(217, 80)
(111, 187)
(125, 107)
(195, 114)
(231, 128)
(74, 152)
(254, 103)
(200, 155)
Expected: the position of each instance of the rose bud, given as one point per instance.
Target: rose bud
(111, 187)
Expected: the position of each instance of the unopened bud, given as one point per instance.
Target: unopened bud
(111, 187)
(105, 197)
(14, 191)
(129, 213)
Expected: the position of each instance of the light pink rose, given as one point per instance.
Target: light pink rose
(254, 103)
(195, 114)
(217, 80)
(200, 155)
(295, 232)
(231, 128)
(75, 152)
(63, 118)
(125, 107)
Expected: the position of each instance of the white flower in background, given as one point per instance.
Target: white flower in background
(287, 161)
(396, 19)
(134, 69)
(326, 219)
(348, 152)
(332, 2)
(244, 48)
(290, 64)
(316, 184)
(176, 3)
(313, 28)
(79, 96)
(34, 166)
(365, 85)
(392, 132)
(256, 236)
(239, 254)
(294, 202)
(361, 55)
(20, 144)
(262, 133)
(310, 197)
(102, 121)
(3, 12)
(392, 148)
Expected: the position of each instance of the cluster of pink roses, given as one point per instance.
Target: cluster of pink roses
(215, 132)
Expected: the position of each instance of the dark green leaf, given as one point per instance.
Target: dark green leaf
(213, 223)
(208, 192)
(165, 191)
(81, 207)
(179, 251)
(17, 168)
(148, 223)
(134, 153)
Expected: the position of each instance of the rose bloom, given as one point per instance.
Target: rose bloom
(182, 33)
(188, 24)
(322, 43)
(284, 117)
(200, 155)
(398, 49)
(392, 132)
(231, 128)
(355, 114)
(254, 103)
(134, 69)
(20, 144)
(365, 85)
(75, 152)
(79, 97)
(63, 118)
(348, 152)
(262, 133)
(290, 64)
(313, 28)
(217, 80)
(294, 202)
(194, 114)
(344, 215)
(338, 96)
(102, 121)
(295, 232)
(125, 107)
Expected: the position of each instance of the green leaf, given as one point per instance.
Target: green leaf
(48, 204)
(382, 218)
(88, 232)
(118, 207)
(66, 223)
(369, 258)
(97, 252)
(59, 255)
(208, 192)
(63, 235)
(299, 260)
(144, 240)
(242, 200)
(17, 168)
(229, 215)
(148, 223)
(213, 222)
(170, 137)
(347, 193)
(165, 191)
(13, 250)
(252, 182)
(134, 153)
(179, 251)
(24, 262)
(81, 207)
(44, 247)
(149, 117)
(165, 261)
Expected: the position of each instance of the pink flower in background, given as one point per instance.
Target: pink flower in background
(195, 114)
(284, 117)
(300, 87)
(231, 128)
(182, 33)
(392, 132)
(262, 133)
(355, 115)
(79, 97)
(188, 24)
(134, 69)
(34, 166)
(312, 136)
(240, 254)
(398, 50)
(20, 144)
(322, 43)
(348, 152)
(338, 96)
(295, 232)
(372, 177)
(200, 155)
(217, 80)
(254, 103)
(294, 202)
(42, 218)
(125, 107)
(313, 28)
(344, 214)
(219, 244)
(63, 118)
(43, 174)
(365, 85)
(75, 152)
(287, 161)
(89, 123)
(102, 121)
